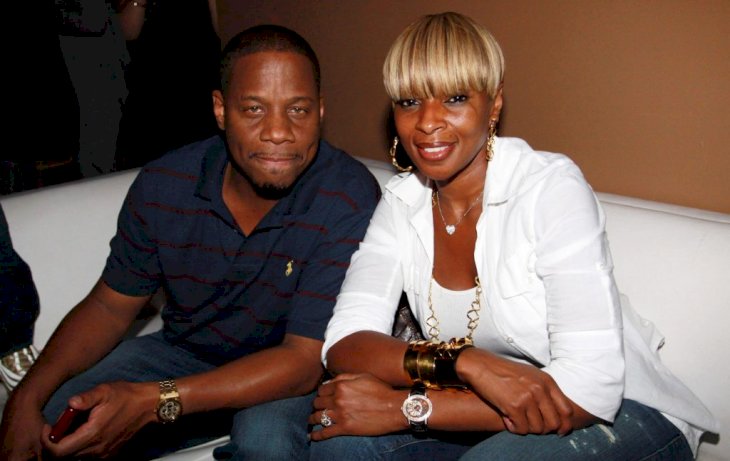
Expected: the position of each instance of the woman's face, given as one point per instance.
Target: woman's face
(444, 135)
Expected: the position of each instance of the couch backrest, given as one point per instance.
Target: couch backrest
(63, 233)
(672, 262)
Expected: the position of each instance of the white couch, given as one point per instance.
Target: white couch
(672, 262)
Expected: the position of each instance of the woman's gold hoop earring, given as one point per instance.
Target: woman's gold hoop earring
(393, 160)
(490, 139)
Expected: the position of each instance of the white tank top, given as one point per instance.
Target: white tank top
(451, 307)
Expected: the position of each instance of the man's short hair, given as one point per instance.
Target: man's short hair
(265, 37)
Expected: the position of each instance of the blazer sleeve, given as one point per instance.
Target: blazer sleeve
(583, 307)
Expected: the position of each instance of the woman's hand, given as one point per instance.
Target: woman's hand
(358, 404)
(116, 412)
(528, 399)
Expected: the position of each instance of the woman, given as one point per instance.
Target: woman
(503, 248)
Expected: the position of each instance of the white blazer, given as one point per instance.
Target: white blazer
(545, 267)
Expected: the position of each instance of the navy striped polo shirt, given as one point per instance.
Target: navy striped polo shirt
(228, 294)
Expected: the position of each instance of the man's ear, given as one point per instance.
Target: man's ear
(219, 109)
(321, 109)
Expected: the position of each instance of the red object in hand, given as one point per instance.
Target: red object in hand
(68, 422)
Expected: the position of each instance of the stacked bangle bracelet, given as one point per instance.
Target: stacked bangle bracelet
(434, 364)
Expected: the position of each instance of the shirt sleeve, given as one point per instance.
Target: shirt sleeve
(583, 308)
(132, 267)
(373, 284)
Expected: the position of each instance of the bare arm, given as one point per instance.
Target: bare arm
(504, 393)
(377, 396)
(290, 369)
(77, 343)
(370, 352)
(121, 409)
(361, 404)
(527, 397)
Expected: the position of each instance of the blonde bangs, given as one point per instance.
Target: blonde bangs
(443, 55)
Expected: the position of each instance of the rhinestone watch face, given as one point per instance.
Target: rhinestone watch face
(417, 408)
(169, 410)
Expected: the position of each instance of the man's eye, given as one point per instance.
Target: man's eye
(254, 109)
(298, 110)
(457, 99)
(405, 103)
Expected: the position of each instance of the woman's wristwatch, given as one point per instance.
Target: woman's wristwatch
(417, 407)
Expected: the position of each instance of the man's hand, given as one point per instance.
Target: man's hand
(529, 399)
(117, 411)
(20, 432)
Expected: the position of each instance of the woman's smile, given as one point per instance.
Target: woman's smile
(435, 151)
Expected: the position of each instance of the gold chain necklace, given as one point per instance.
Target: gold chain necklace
(451, 228)
(472, 315)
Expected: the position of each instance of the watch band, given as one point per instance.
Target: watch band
(417, 407)
(168, 387)
(169, 407)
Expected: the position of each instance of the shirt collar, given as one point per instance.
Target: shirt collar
(212, 171)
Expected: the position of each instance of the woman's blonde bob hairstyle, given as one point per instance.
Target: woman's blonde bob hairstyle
(443, 55)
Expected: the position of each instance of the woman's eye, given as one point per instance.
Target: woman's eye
(457, 99)
(404, 103)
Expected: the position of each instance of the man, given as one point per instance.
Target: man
(250, 239)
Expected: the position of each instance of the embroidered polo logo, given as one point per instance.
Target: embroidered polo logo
(289, 269)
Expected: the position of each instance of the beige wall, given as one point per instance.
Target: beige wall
(636, 92)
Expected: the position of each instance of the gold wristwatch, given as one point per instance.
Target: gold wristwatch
(169, 408)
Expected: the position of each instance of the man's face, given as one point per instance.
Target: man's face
(271, 113)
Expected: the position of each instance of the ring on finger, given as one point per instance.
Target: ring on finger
(325, 420)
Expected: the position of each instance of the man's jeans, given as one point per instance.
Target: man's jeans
(260, 430)
(638, 433)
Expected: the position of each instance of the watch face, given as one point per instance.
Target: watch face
(417, 408)
(169, 410)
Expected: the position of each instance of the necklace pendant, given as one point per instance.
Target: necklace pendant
(450, 229)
